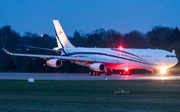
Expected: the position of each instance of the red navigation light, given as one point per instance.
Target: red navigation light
(120, 48)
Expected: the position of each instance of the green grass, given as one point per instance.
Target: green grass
(80, 96)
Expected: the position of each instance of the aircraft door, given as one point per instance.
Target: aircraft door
(158, 56)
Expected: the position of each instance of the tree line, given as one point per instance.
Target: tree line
(159, 37)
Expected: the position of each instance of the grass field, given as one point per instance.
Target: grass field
(81, 96)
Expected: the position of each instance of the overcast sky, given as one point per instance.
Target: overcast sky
(87, 15)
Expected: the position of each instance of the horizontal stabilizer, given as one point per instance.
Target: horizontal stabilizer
(42, 48)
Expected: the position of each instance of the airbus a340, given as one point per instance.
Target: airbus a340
(105, 59)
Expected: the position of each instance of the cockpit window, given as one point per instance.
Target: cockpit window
(167, 56)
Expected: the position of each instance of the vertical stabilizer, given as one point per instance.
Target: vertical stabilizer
(61, 38)
(58, 43)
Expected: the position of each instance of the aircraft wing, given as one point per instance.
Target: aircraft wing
(103, 60)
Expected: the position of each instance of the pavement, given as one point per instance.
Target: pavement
(84, 76)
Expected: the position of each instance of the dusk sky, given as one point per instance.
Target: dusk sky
(36, 16)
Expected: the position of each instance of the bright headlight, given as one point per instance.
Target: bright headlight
(163, 70)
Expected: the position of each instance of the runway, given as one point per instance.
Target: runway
(83, 76)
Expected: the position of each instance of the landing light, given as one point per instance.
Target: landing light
(163, 70)
(126, 69)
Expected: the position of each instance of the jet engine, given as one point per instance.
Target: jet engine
(54, 63)
(98, 67)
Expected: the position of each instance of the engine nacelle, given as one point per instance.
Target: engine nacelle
(54, 63)
(98, 67)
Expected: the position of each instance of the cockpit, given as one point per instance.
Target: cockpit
(168, 56)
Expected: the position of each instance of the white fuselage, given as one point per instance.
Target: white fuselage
(149, 59)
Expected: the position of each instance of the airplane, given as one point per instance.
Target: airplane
(105, 59)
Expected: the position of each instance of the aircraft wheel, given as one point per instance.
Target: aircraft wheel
(94, 73)
(90, 73)
(120, 73)
(108, 72)
(129, 73)
(98, 73)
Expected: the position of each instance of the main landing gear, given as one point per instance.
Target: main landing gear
(124, 73)
(94, 73)
(108, 72)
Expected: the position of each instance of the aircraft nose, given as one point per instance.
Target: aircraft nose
(174, 61)
(170, 62)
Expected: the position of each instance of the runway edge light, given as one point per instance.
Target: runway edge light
(31, 80)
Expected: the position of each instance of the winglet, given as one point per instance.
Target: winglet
(7, 52)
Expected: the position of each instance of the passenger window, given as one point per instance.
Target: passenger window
(167, 56)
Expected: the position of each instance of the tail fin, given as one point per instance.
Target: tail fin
(58, 43)
(61, 38)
